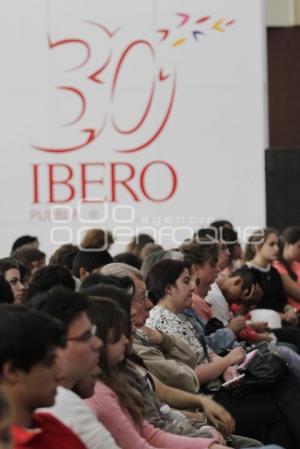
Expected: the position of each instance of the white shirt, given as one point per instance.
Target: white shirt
(71, 410)
(219, 304)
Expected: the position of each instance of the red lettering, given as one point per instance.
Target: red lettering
(173, 178)
(63, 182)
(85, 181)
(36, 197)
(124, 182)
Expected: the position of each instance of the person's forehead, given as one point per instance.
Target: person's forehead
(80, 324)
(12, 273)
(184, 273)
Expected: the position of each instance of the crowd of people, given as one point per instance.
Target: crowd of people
(142, 350)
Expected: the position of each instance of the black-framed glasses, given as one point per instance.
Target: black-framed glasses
(86, 336)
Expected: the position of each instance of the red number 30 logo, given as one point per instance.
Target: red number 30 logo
(149, 115)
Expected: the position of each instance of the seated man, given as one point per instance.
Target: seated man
(29, 345)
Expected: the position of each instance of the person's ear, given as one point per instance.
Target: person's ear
(10, 373)
(237, 281)
(169, 289)
(83, 273)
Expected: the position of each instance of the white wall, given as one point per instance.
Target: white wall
(202, 97)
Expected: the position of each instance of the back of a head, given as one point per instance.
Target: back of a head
(128, 259)
(210, 234)
(200, 252)
(94, 280)
(25, 240)
(64, 256)
(97, 239)
(50, 276)
(164, 273)
(156, 257)
(26, 336)
(138, 242)
(110, 291)
(90, 260)
(291, 234)
(28, 255)
(60, 302)
(221, 224)
(148, 249)
(150, 261)
(248, 276)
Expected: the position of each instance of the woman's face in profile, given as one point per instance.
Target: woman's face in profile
(181, 292)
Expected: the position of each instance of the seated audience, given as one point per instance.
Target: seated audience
(116, 402)
(169, 288)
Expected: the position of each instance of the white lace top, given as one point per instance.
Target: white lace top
(176, 325)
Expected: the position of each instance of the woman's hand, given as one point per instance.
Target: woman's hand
(230, 373)
(214, 433)
(218, 415)
(154, 336)
(237, 324)
(236, 355)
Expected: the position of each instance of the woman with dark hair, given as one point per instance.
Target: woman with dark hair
(116, 402)
(14, 273)
(288, 265)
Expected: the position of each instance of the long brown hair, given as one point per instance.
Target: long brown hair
(112, 322)
(257, 240)
(290, 235)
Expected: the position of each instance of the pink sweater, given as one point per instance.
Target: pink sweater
(117, 420)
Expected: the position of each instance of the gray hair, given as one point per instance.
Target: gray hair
(121, 270)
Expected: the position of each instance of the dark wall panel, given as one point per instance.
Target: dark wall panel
(283, 187)
(284, 86)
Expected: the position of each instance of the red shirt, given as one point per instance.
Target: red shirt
(48, 433)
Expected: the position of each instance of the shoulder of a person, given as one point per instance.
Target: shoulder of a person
(46, 420)
(101, 388)
(279, 267)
